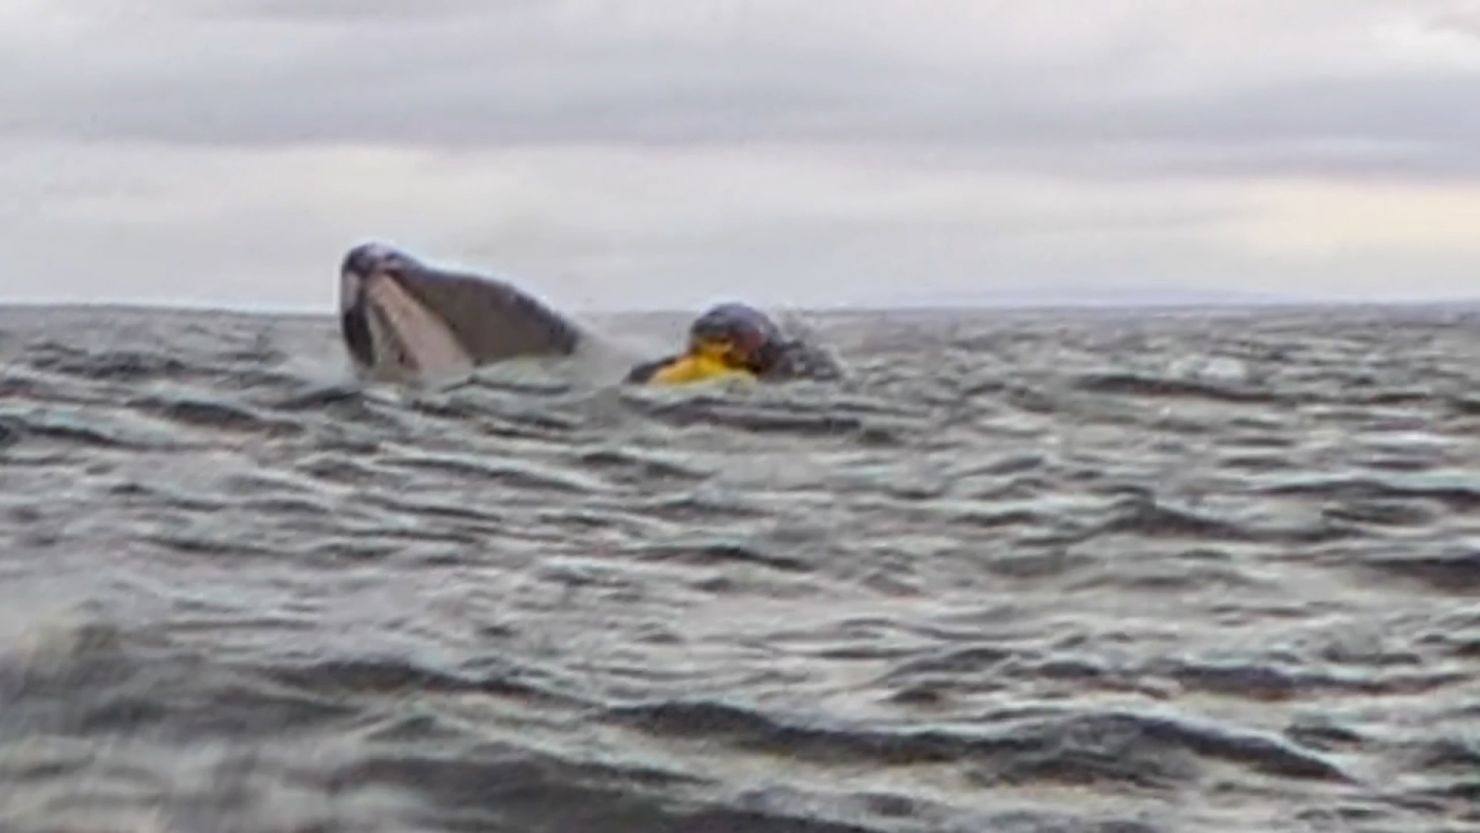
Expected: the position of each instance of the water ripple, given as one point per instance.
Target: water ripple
(1020, 571)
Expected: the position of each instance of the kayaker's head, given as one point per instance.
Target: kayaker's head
(730, 339)
(734, 333)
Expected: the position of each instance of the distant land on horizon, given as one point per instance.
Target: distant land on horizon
(1082, 297)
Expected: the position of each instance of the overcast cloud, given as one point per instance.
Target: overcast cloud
(651, 153)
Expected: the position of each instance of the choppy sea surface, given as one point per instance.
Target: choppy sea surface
(1030, 572)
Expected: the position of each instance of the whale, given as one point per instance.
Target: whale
(406, 321)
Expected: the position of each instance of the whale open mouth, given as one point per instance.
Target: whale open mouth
(392, 335)
(405, 321)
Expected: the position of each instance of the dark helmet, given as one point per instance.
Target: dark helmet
(749, 330)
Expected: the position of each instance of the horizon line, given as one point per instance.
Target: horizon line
(1182, 304)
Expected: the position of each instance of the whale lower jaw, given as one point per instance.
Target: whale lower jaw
(407, 342)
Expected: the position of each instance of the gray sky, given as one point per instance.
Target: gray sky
(651, 153)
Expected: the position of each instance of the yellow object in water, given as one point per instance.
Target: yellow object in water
(707, 362)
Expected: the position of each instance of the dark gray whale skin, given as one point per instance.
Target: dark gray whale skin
(489, 320)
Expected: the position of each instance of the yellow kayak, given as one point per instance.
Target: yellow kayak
(698, 367)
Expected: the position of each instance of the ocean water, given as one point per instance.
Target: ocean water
(1117, 572)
